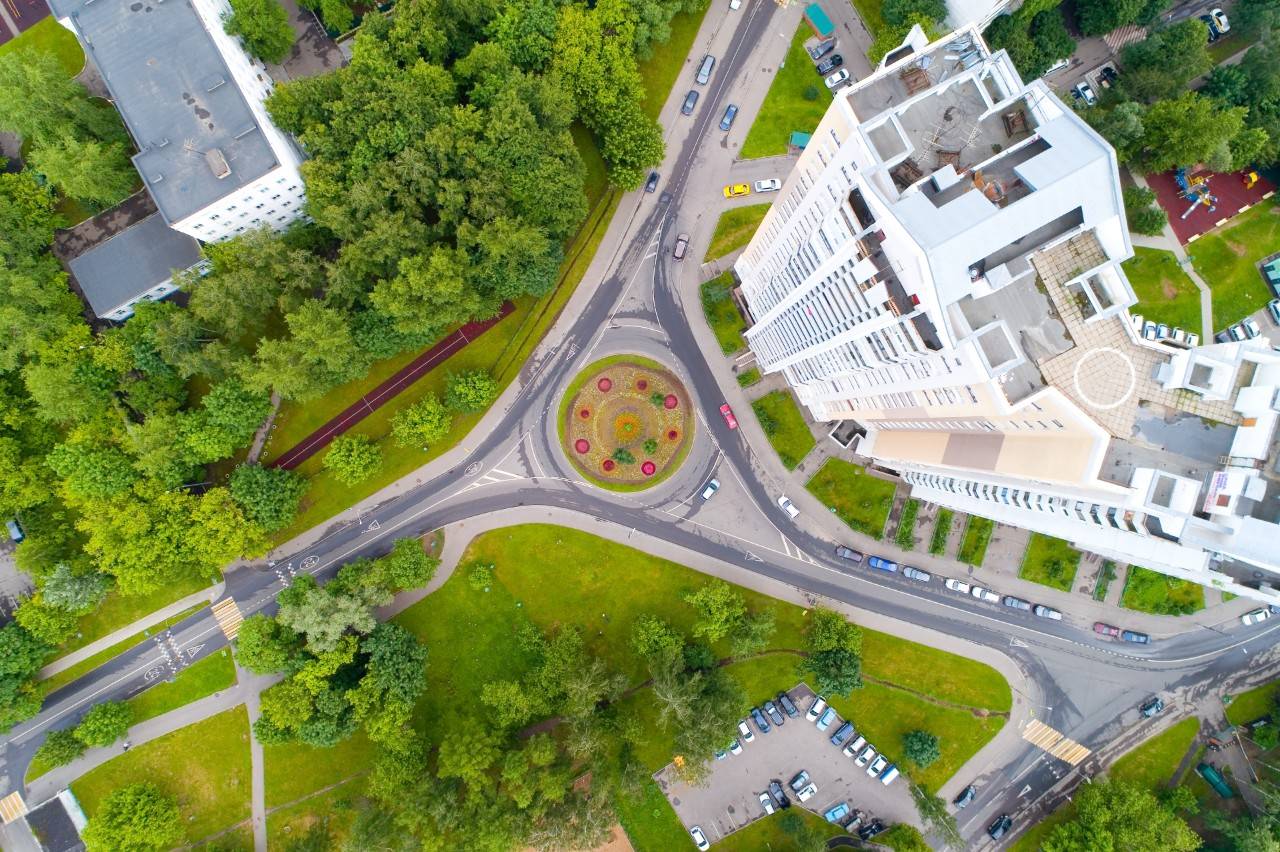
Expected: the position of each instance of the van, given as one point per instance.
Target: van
(855, 746)
(704, 70)
(15, 530)
(682, 245)
(889, 774)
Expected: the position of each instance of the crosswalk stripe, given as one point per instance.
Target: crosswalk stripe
(12, 807)
(227, 612)
(1054, 742)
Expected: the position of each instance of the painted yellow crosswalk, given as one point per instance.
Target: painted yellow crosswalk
(1064, 748)
(229, 617)
(12, 807)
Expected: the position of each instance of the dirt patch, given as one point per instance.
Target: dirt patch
(1238, 249)
(1167, 289)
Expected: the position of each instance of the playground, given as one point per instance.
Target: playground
(1199, 201)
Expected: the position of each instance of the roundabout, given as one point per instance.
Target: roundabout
(626, 423)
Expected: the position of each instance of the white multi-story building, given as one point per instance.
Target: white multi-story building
(193, 102)
(943, 267)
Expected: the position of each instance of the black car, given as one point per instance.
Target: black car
(821, 49)
(798, 783)
(1212, 27)
(1109, 74)
(830, 64)
(842, 733)
(730, 112)
(998, 828)
(966, 796)
(871, 829)
(1151, 708)
(652, 183)
(788, 706)
(774, 715)
(761, 722)
(775, 790)
(848, 553)
(690, 100)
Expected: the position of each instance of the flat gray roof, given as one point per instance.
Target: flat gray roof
(132, 262)
(177, 97)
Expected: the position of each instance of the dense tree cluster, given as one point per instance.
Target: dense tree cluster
(101, 726)
(138, 817)
(1099, 17)
(835, 653)
(263, 26)
(1035, 35)
(1121, 815)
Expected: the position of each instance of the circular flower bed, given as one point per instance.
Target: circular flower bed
(627, 425)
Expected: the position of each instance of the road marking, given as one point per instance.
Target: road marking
(1017, 643)
(374, 526)
(1054, 742)
(12, 807)
(229, 617)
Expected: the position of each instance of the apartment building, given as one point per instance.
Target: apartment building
(943, 267)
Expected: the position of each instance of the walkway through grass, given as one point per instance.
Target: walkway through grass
(797, 100)
(1227, 259)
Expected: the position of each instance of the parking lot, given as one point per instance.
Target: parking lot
(730, 798)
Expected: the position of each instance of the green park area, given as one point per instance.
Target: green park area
(860, 500)
(48, 36)
(1253, 704)
(784, 426)
(1151, 591)
(735, 228)
(722, 314)
(198, 680)
(1227, 259)
(797, 100)
(1165, 292)
(977, 536)
(204, 766)
(1050, 562)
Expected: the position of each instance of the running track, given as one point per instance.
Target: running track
(384, 392)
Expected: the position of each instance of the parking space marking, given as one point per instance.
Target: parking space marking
(12, 807)
(1054, 742)
(229, 616)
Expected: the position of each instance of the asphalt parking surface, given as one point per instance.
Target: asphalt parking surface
(730, 798)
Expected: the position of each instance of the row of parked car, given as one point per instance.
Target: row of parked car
(827, 64)
(1150, 330)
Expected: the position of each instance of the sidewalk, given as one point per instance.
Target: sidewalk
(1168, 241)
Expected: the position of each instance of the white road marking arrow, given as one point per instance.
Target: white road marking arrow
(191, 652)
(374, 525)
(751, 557)
(1018, 643)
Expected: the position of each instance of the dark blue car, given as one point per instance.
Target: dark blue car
(730, 113)
(882, 564)
(761, 722)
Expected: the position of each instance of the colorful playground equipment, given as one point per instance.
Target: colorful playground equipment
(1250, 178)
(1196, 190)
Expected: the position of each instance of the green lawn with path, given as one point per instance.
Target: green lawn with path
(205, 766)
(977, 536)
(1151, 591)
(785, 107)
(658, 73)
(1247, 706)
(1227, 259)
(784, 426)
(1165, 292)
(860, 500)
(1050, 562)
(735, 228)
(333, 808)
(198, 680)
(295, 770)
(1153, 763)
(722, 314)
(49, 36)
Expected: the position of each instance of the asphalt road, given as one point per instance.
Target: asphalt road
(1080, 684)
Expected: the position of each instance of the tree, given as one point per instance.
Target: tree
(652, 638)
(21, 656)
(1150, 76)
(1188, 129)
(27, 217)
(104, 723)
(93, 171)
(41, 102)
(407, 566)
(92, 470)
(47, 623)
(921, 748)
(899, 12)
(323, 617)
(1121, 126)
(467, 755)
(720, 608)
(228, 416)
(263, 26)
(835, 652)
(59, 748)
(1139, 209)
(421, 424)
(137, 817)
(752, 634)
(76, 592)
(264, 645)
(319, 353)
(1120, 815)
(352, 458)
(471, 391)
(268, 495)
(1099, 17)
(336, 14)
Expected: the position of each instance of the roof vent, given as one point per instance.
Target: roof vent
(163, 142)
(213, 83)
(217, 163)
(157, 177)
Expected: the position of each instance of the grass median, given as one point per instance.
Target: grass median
(860, 500)
(784, 426)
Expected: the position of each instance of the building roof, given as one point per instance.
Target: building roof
(132, 262)
(197, 138)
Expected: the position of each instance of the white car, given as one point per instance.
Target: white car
(745, 730)
(737, 4)
(769, 185)
(787, 506)
(957, 586)
(1085, 92)
(766, 802)
(877, 766)
(867, 753)
(806, 792)
(735, 747)
(1220, 20)
(1256, 617)
(985, 595)
(699, 839)
(855, 745)
(815, 709)
(710, 491)
(837, 79)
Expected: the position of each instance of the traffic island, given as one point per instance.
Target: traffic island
(626, 423)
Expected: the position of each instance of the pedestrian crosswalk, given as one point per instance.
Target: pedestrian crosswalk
(229, 617)
(12, 807)
(1064, 748)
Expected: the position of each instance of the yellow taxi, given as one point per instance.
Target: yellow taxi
(736, 189)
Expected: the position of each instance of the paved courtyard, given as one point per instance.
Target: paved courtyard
(730, 798)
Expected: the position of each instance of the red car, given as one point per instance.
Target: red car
(727, 413)
(1106, 629)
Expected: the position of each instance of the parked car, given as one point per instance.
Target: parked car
(690, 101)
(710, 491)
(1106, 629)
(1136, 321)
(1220, 21)
(14, 529)
(815, 709)
(1251, 329)
(767, 185)
(867, 755)
(681, 246)
(1273, 308)
(1222, 337)
(800, 780)
(1149, 330)
(784, 502)
(730, 113)
(1162, 331)
(1108, 75)
(848, 553)
(842, 733)
(837, 813)
(957, 586)
(1135, 637)
(821, 49)
(1047, 612)
(788, 706)
(871, 829)
(735, 747)
(704, 70)
(877, 766)
(1151, 708)
(727, 413)
(854, 746)
(1001, 825)
(735, 190)
(774, 715)
(984, 594)
(1212, 28)
(652, 183)
(830, 64)
(745, 730)
(775, 790)
(1086, 94)
(1257, 616)
(916, 574)
(1193, 339)
(967, 795)
(837, 79)
(825, 720)
(766, 802)
(761, 722)
(699, 839)
(1237, 333)
(881, 564)
(1058, 66)
(1016, 603)
(889, 775)
(806, 792)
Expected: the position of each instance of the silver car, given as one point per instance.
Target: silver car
(957, 586)
(984, 594)
(916, 574)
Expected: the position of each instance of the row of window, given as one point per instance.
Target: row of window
(1113, 517)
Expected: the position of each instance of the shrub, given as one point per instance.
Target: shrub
(650, 445)
(352, 458)
(623, 456)
(471, 391)
(60, 748)
(104, 723)
(480, 577)
(421, 424)
(941, 530)
(905, 537)
(921, 748)
(657, 398)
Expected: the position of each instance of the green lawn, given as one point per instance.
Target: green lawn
(785, 107)
(1153, 763)
(784, 426)
(735, 228)
(239, 839)
(50, 37)
(869, 11)
(651, 824)
(747, 378)
(767, 833)
(658, 73)
(722, 314)
(1227, 258)
(861, 501)
(977, 535)
(1165, 292)
(212, 674)
(1050, 562)
(941, 531)
(1030, 840)
(295, 770)
(118, 611)
(905, 537)
(1151, 591)
(1255, 703)
(205, 766)
(333, 808)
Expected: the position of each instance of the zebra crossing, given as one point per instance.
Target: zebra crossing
(1054, 742)
(12, 807)
(229, 616)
